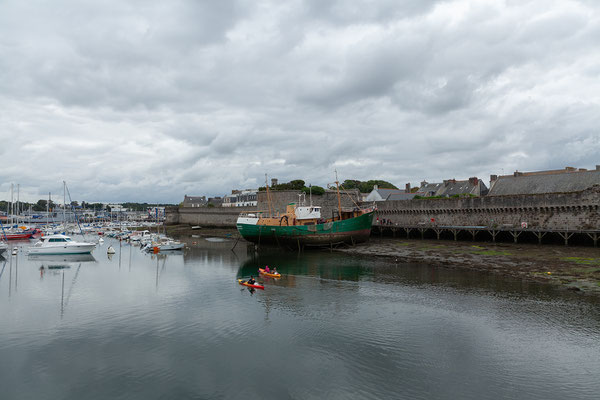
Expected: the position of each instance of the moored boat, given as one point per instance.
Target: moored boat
(60, 244)
(19, 235)
(303, 225)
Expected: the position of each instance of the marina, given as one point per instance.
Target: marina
(143, 325)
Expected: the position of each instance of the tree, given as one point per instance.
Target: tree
(40, 205)
(316, 190)
(366, 187)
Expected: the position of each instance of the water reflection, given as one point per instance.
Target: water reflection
(58, 258)
(334, 326)
(318, 264)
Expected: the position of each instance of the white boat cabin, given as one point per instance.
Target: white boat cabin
(311, 212)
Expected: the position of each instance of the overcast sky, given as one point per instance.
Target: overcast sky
(147, 101)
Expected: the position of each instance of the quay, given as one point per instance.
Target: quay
(491, 232)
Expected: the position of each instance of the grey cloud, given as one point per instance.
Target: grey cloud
(149, 101)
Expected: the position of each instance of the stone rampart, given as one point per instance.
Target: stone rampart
(205, 216)
(550, 211)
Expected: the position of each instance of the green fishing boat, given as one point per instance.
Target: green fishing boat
(303, 226)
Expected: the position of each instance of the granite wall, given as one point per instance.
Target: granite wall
(544, 211)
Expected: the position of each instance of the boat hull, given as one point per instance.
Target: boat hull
(80, 249)
(350, 231)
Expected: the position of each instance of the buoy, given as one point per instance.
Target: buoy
(110, 250)
(14, 251)
(155, 249)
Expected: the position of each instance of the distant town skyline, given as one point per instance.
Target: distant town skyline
(149, 101)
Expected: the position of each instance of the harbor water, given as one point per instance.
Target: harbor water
(139, 325)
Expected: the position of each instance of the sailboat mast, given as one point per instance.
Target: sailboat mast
(64, 203)
(12, 204)
(18, 201)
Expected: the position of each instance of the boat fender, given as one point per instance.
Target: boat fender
(110, 250)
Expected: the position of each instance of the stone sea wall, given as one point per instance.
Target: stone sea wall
(570, 211)
(544, 211)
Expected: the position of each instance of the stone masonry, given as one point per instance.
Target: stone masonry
(552, 211)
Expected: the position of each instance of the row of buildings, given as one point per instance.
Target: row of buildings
(567, 180)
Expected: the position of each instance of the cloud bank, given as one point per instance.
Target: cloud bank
(148, 101)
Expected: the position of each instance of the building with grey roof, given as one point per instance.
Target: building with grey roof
(194, 201)
(384, 194)
(566, 180)
(452, 187)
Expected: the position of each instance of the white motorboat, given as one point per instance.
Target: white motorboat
(164, 244)
(60, 244)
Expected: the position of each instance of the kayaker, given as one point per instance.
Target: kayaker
(267, 270)
(274, 270)
(251, 281)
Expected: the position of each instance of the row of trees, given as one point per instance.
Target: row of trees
(362, 186)
(296, 184)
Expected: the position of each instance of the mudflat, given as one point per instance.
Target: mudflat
(574, 268)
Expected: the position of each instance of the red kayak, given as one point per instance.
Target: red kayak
(255, 286)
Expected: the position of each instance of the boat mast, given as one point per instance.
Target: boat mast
(12, 204)
(337, 185)
(268, 196)
(64, 204)
(18, 201)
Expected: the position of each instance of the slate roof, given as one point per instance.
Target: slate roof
(401, 196)
(559, 182)
(383, 193)
(453, 187)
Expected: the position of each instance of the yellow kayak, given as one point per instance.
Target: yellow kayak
(262, 271)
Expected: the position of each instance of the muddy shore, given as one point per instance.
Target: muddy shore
(573, 268)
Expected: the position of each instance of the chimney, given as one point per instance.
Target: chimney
(493, 178)
(446, 182)
(597, 167)
(273, 182)
(424, 183)
(517, 173)
(407, 188)
(375, 187)
(473, 181)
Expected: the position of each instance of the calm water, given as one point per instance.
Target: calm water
(141, 326)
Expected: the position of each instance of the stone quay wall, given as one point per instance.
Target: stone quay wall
(552, 211)
(218, 217)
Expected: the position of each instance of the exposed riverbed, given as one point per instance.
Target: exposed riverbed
(575, 268)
